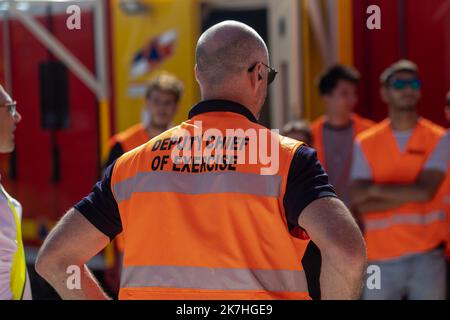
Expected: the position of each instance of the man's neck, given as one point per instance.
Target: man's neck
(153, 130)
(403, 120)
(338, 121)
(233, 98)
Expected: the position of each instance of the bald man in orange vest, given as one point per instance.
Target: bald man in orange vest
(201, 224)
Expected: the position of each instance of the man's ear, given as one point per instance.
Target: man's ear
(196, 73)
(255, 77)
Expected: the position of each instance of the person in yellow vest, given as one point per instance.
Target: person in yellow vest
(214, 224)
(14, 281)
(398, 169)
(162, 98)
(334, 132)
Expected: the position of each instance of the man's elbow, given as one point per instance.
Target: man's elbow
(352, 253)
(42, 264)
(48, 263)
(357, 257)
(355, 253)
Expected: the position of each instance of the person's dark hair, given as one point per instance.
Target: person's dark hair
(399, 66)
(448, 99)
(165, 82)
(329, 80)
(299, 126)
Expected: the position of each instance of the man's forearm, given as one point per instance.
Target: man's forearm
(368, 196)
(375, 205)
(401, 193)
(66, 284)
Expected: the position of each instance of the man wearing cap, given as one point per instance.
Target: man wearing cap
(398, 169)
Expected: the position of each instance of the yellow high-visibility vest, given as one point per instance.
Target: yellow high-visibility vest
(18, 271)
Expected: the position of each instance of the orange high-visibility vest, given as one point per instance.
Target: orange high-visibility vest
(206, 231)
(359, 124)
(129, 139)
(414, 227)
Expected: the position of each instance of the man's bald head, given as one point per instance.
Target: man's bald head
(227, 49)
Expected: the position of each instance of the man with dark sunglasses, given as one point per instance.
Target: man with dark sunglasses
(398, 169)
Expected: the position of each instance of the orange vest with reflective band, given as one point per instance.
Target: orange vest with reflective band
(129, 139)
(359, 125)
(414, 227)
(206, 231)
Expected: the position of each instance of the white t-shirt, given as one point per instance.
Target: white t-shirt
(439, 159)
(8, 246)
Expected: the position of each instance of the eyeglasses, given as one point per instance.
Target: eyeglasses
(12, 108)
(399, 84)
(272, 72)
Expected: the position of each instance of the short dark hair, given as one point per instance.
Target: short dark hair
(329, 80)
(399, 66)
(448, 99)
(165, 82)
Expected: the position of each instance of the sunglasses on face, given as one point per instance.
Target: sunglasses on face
(272, 72)
(399, 84)
(11, 108)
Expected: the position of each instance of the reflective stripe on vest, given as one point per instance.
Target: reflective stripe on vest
(213, 278)
(224, 182)
(404, 219)
(18, 270)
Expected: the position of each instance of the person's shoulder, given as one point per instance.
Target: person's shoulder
(7, 221)
(432, 127)
(127, 133)
(365, 123)
(145, 149)
(373, 131)
(289, 144)
(318, 123)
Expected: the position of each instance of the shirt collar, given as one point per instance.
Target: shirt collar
(221, 106)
